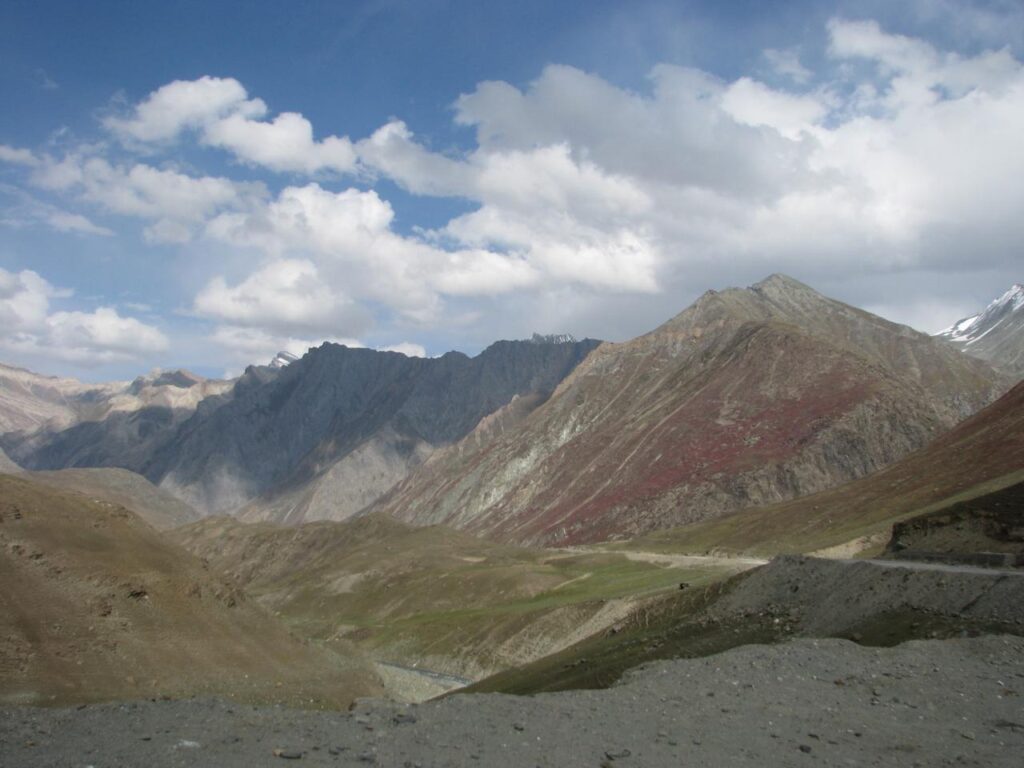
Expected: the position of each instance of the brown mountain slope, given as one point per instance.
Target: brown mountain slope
(747, 397)
(96, 605)
(983, 454)
(127, 489)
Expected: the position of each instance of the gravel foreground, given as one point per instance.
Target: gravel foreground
(808, 702)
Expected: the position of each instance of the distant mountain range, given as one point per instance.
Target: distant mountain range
(321, 437)
(29, 401)
(748, 397)
(995, 334)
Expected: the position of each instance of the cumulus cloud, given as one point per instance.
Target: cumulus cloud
(349, 236)
(577, 194)
(176, 203)
(27, 326)
(579, 184)
(284, 144)
(286, 293)
(181, 105)
(786, 62)
(223, 115)
(17, 156)
(25, 210)
(752, 103)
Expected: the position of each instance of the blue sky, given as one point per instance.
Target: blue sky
(199, 184)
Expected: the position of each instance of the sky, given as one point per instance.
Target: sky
(201, 185)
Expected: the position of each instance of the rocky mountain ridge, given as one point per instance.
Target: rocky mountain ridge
(747, 397)
(319, 438)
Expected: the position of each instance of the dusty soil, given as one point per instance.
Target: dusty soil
(809, 702)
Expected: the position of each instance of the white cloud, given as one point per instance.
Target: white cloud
(286, 293)
(392, 151)
(184, 104)
(786, 62)
(752, 103)
(406, 348)
(17, 156)
(27, 210)
(176, 203)
(284, 144)
(585, 186)
(578, 194)
(27, 326)
(252, 346)
(349, 237)
(224, 116)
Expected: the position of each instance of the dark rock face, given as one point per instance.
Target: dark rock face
(993, 523)
(286, 426)
(123, 439)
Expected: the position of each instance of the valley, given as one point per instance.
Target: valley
(770, 486)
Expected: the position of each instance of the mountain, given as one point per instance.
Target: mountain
(995, 334)
(983, 454)
(320, 438)
(97, 605)
(749, 396)
(30, 401)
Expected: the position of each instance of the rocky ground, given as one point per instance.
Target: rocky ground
(808, 702)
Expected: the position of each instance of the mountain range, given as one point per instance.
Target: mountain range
(318, 438)
(748, 397)
(30, 402)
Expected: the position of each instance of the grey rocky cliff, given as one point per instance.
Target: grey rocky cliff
(280, 430)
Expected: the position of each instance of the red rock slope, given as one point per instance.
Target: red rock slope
(748, 397)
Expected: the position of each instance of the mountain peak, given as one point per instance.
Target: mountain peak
(995, 334)
(782, 286)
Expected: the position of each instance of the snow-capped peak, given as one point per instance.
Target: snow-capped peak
(553, 338)
(1014, 296)
(281, 359)
(971, 329)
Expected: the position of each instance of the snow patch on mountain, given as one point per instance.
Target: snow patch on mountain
(282, 359)
(971, 329)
